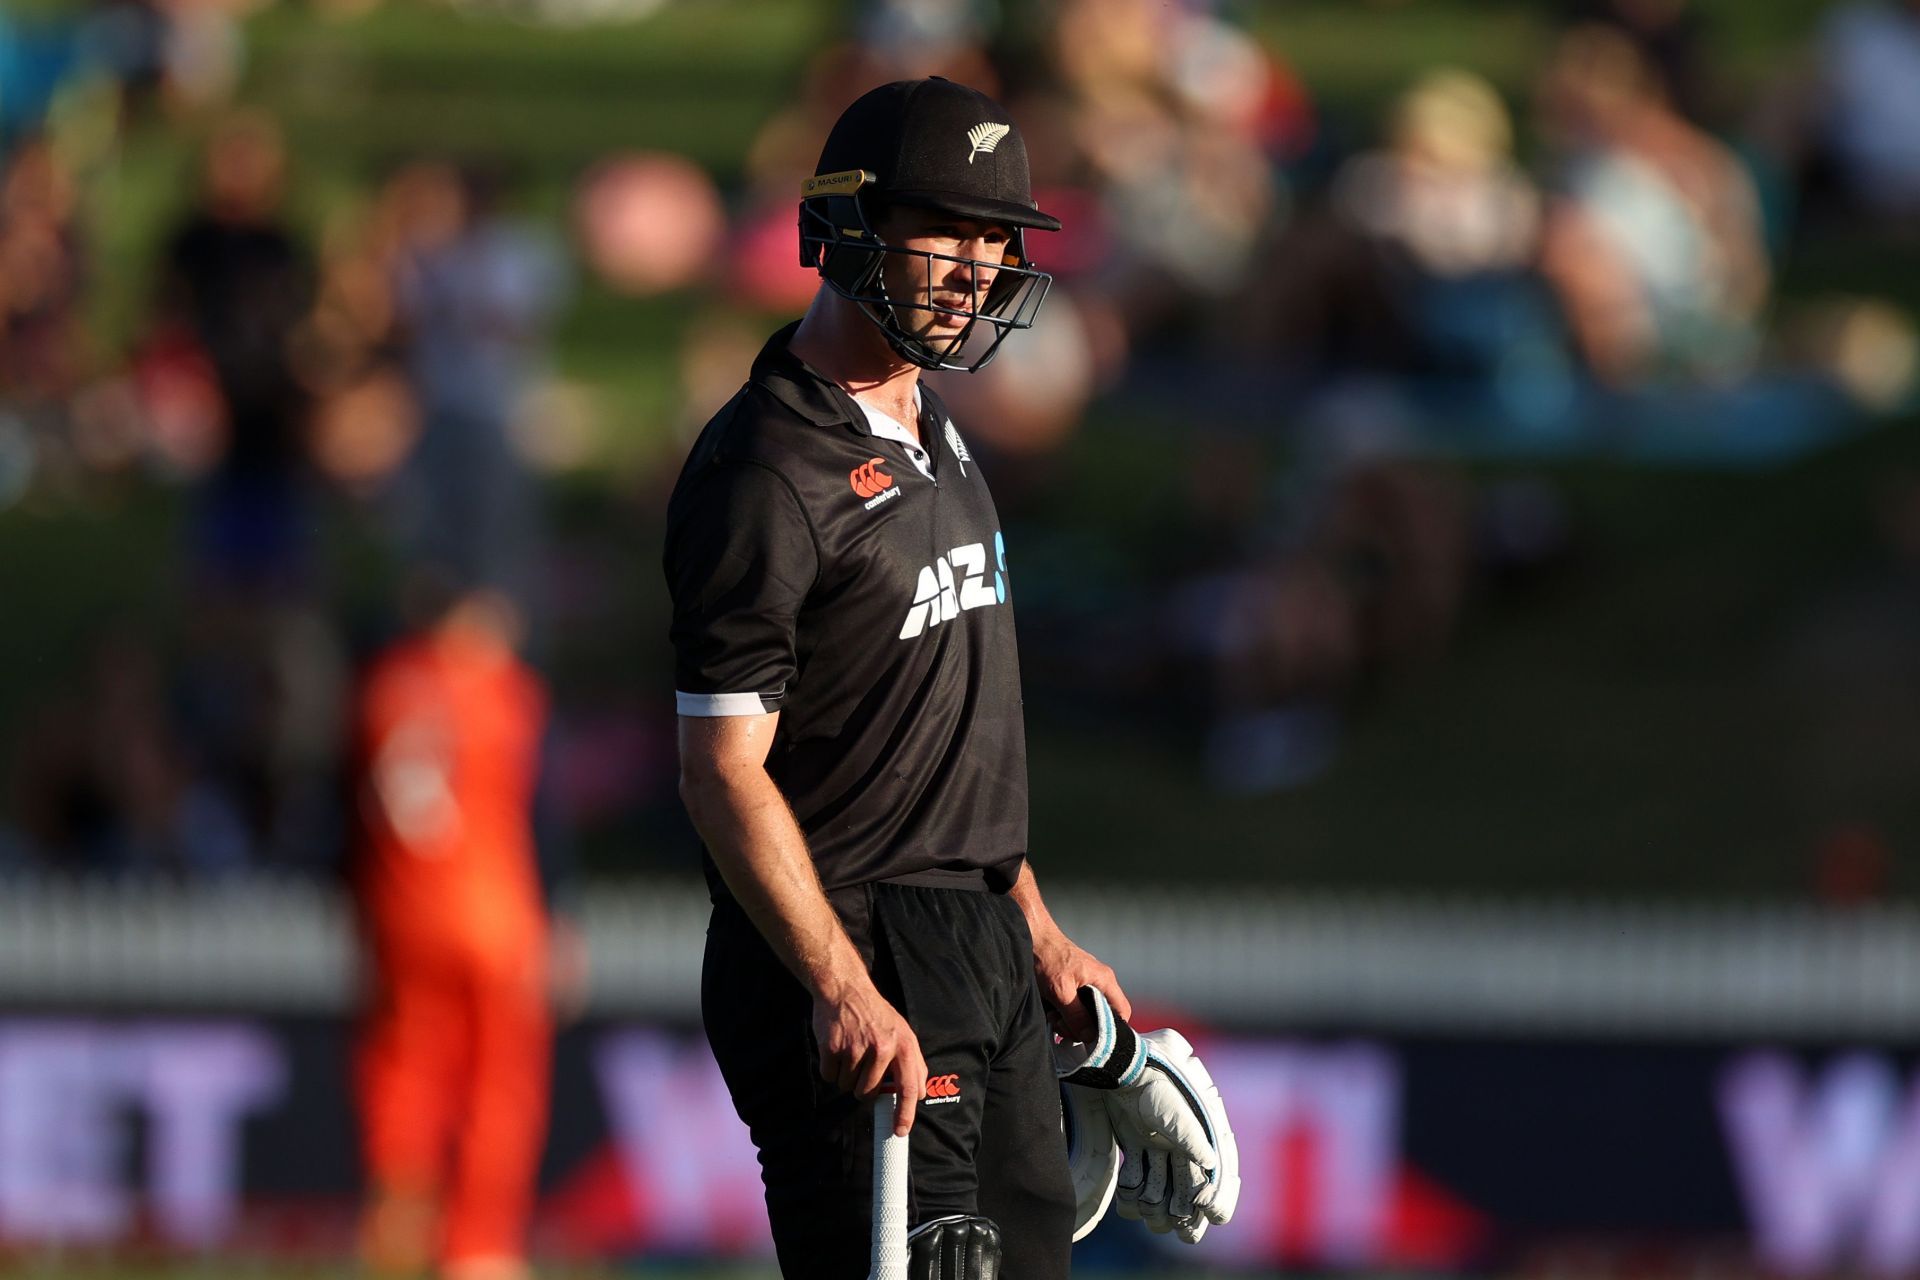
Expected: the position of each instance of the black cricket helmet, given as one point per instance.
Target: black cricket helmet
(929, 144)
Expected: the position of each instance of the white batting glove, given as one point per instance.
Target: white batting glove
(1180, 1167)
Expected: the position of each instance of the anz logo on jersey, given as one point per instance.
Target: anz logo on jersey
(957, 581)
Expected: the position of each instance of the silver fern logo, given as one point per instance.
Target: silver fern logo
(959, 447)
(985, 136)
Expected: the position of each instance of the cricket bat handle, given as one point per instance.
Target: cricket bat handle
(889, 1194)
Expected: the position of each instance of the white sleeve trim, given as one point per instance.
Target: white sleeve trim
(719, 704)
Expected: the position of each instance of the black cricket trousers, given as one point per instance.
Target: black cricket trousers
(958, 963)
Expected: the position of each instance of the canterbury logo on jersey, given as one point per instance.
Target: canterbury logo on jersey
(873, 484)
(954, 582)
(943, 1089)
(868, 479)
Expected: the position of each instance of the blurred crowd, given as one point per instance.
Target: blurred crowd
(1331, 312)
(268, 380)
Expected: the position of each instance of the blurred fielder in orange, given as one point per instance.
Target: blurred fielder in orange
(453, 1063)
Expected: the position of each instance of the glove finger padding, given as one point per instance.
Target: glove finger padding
(1130, 1182)
(1187, 1181)
(1145, 1200)
(957, 1247)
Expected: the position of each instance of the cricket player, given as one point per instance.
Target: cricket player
(851, 741)
(452, 1065)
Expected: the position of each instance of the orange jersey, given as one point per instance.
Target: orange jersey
(447, 745)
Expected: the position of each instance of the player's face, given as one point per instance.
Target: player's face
(955, 290)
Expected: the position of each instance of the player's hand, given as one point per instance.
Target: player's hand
(1063, 968)
(866, 1045)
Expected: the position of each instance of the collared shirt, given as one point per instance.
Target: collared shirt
(821, 571)
(886, 427)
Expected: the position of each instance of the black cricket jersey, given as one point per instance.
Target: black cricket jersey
(816, 572)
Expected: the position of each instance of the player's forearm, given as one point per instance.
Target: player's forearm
(1026, 895)
(1061, 964)
(761, 854)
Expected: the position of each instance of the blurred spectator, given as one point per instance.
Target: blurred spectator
(1450, 229)
(106, 783)
(165, 55)
(1870, 79)
(203, 52)
(235, 286)
(128, 39)
(474, 293)
(41, 340)
(454, 1052)
(264, 667)
(1446, 192)
(1421, 262)
(1865, 346)
(263, 685)
(1652, 241)
(38, 54)
(649, 222)
(946, 37)
(1373, 580)
(348, 351)
(1670, 37)
(1165, 111)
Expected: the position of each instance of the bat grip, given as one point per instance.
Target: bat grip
(889, 1194)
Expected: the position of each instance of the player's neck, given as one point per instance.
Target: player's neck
(842, 344)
